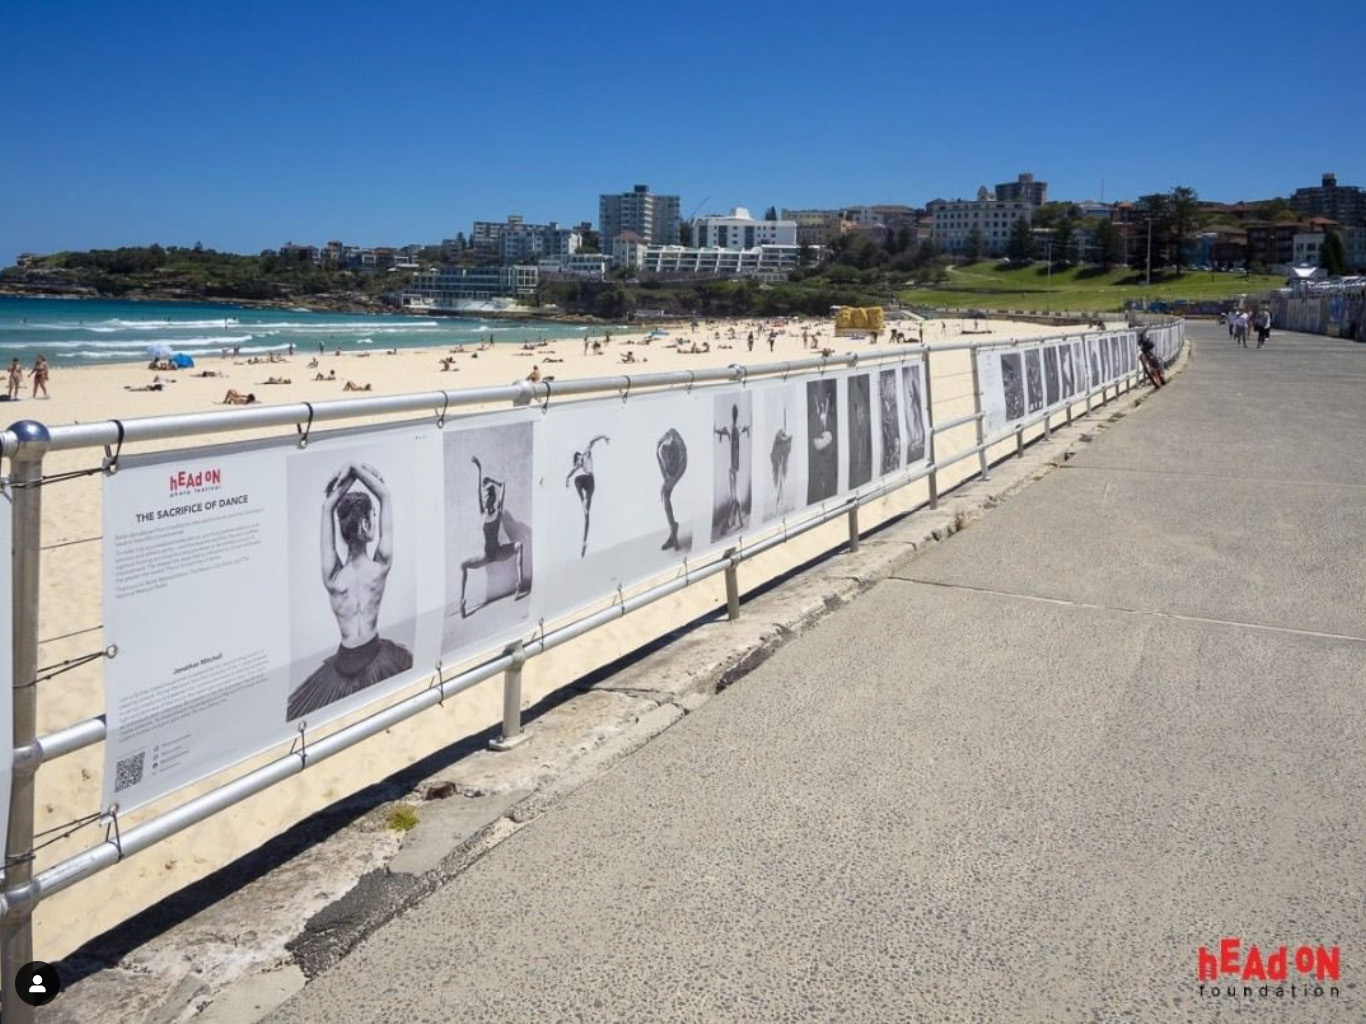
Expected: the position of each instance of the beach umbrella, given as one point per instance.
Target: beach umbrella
(160, 351)
(183, 361)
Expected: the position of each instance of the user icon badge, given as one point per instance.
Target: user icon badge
(37, 983)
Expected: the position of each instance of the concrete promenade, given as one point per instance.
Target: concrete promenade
(1026, 778)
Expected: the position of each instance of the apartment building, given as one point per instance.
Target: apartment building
(763, 263)
(444, 287)
(955, 220)
(653, 217)
(1345, 204)
(815, 227)
(515, 241)
(739, 230)
(1023, 189)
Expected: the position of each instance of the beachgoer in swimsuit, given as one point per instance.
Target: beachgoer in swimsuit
(235, 397)
(39, 375)
(490, 494)
(582, 475)
(355, 589)
(16, 379)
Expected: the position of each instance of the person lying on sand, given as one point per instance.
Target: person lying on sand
(331, 375)
(154, 386)
(209, 373)
(351, 385)
(277, 380)
(235, 397)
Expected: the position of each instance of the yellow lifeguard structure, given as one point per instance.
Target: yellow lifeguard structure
(859, 320)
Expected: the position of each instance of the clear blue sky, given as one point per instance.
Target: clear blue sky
(244, 124)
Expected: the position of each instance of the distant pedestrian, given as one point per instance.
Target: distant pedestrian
(1263, 325)
(39, 375)
(291, 348)
(16, 379)
(320, 349)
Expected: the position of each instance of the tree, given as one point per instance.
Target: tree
(1155, 211)
(1062, 238)
(1109, 243)
(1021, 244)
(1185, 206)
(973, 245)
(685, 234)
(804, 254)
(926, 253)
(771, 213)
(592, 242)
(1333, 255)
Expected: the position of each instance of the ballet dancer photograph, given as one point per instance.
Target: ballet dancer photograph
(1050, 375)
(916, 431)
(780, 419)
(890, 420)
(860, 430)
(489, 566)
(1034, 379)
(732, 491)
(822, 433)
(368, 619)
(1012, 385)
(581, 475)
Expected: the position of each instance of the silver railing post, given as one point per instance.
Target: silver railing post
(1019, 442)
(932, 448)
(26, 476)
(512, 701)
(1047, 428)
(732, 588)
(853, 532)
(983, 463)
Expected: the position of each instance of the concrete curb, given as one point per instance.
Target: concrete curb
(234, 961)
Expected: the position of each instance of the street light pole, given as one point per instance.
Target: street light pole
(1148, 275)
(1048, 288)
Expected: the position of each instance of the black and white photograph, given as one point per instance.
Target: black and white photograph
(1050, 375)
(860, 429)
(1067, 381)
(1012, 385)
(889, 421)
(1093, 351)
(822, 440)
(1079, 377)
(489, 557)
(781, 445)
(1034, 379)
(352, 571)
(914, 405)
(732, 463)
(1107, 371)
(584, 483)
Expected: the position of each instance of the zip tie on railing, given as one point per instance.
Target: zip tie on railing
(743, 370)
(436, 685)
(304, 431)
(303, 745)
(113, 826)
(787, 368)
(692, 379)
(619, 599)
(445, 406)
(54, 478)
(111, 460)
(66, 666)
(546, 404)
(627, 393)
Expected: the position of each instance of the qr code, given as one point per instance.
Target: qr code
(128, 772)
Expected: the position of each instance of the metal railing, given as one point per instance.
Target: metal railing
(26, 445)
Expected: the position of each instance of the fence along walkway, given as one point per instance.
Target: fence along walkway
(955, 408)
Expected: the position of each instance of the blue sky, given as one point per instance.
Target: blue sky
(246, 124)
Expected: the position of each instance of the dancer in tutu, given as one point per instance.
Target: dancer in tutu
(356, 589)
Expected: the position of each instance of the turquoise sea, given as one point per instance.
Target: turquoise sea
(75, 332)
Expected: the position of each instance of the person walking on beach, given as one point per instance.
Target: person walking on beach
(581, 473)
(16, 379)
(39, 375)
(355, 589)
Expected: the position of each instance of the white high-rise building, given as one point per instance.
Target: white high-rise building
(739, 230)
(654, 218)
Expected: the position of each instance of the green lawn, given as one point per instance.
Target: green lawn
(982, 285)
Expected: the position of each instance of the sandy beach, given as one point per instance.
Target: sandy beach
(69, 788)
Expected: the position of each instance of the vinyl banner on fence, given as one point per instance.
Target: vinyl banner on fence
(254, 590)
(1023, 381)
(6, 666)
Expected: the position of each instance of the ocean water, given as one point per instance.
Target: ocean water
(76, 332)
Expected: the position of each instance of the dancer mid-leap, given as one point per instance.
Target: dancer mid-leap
(582, 475)
(490, 494)
(778, 456)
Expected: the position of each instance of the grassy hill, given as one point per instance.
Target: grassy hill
(987, 285)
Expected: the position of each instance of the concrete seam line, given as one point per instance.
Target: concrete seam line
(1068, 603)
